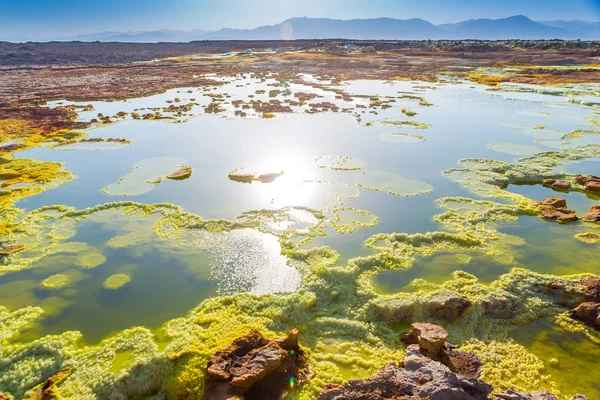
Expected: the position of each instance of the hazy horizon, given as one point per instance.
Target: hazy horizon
(44, 20)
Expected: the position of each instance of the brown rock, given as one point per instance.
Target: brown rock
(183, 172)
(253, 367)
(588, 313)
(592, 185)
(429, 337)
(591, 286)
(11, 249)
(561, 185)
(590, 182)
(416, 378)
(555, 208)
(464, 363)
(432, 343)
(554, 202)
(548, 182)
(580, 179)
(558, 214)
(593, 214)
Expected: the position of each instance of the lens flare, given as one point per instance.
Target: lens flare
(287, 31)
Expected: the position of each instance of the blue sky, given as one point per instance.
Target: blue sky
(43, 19)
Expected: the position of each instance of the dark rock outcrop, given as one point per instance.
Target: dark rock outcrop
(417, 377)
(253, 367)
(555, 208)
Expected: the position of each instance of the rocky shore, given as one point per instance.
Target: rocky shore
(253, 367)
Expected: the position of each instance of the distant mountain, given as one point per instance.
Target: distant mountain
(325, 28)
(517, 27)
(588, 30)
(163, 35)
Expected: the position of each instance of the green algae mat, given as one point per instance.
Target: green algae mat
(367, 205)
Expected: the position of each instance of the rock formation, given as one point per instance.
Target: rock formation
(420, 376)
(253, 367)
(432, 343)
(555, 208)
(416, 377)
(557, 184)
(590, 182)
(593, 214)
(588, 312)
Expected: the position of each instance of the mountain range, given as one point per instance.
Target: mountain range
(516, 27)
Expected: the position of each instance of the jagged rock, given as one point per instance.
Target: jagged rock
(429, 337)
(252, 367)
(593, 214)
(555, 208)
(448, 306)
(432, 341)
(417, 377)
(588, 313)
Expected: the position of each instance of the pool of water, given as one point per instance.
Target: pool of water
(397, 182)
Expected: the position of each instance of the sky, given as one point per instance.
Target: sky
(47, 19)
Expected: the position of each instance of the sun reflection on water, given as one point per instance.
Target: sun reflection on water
(288, 189)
